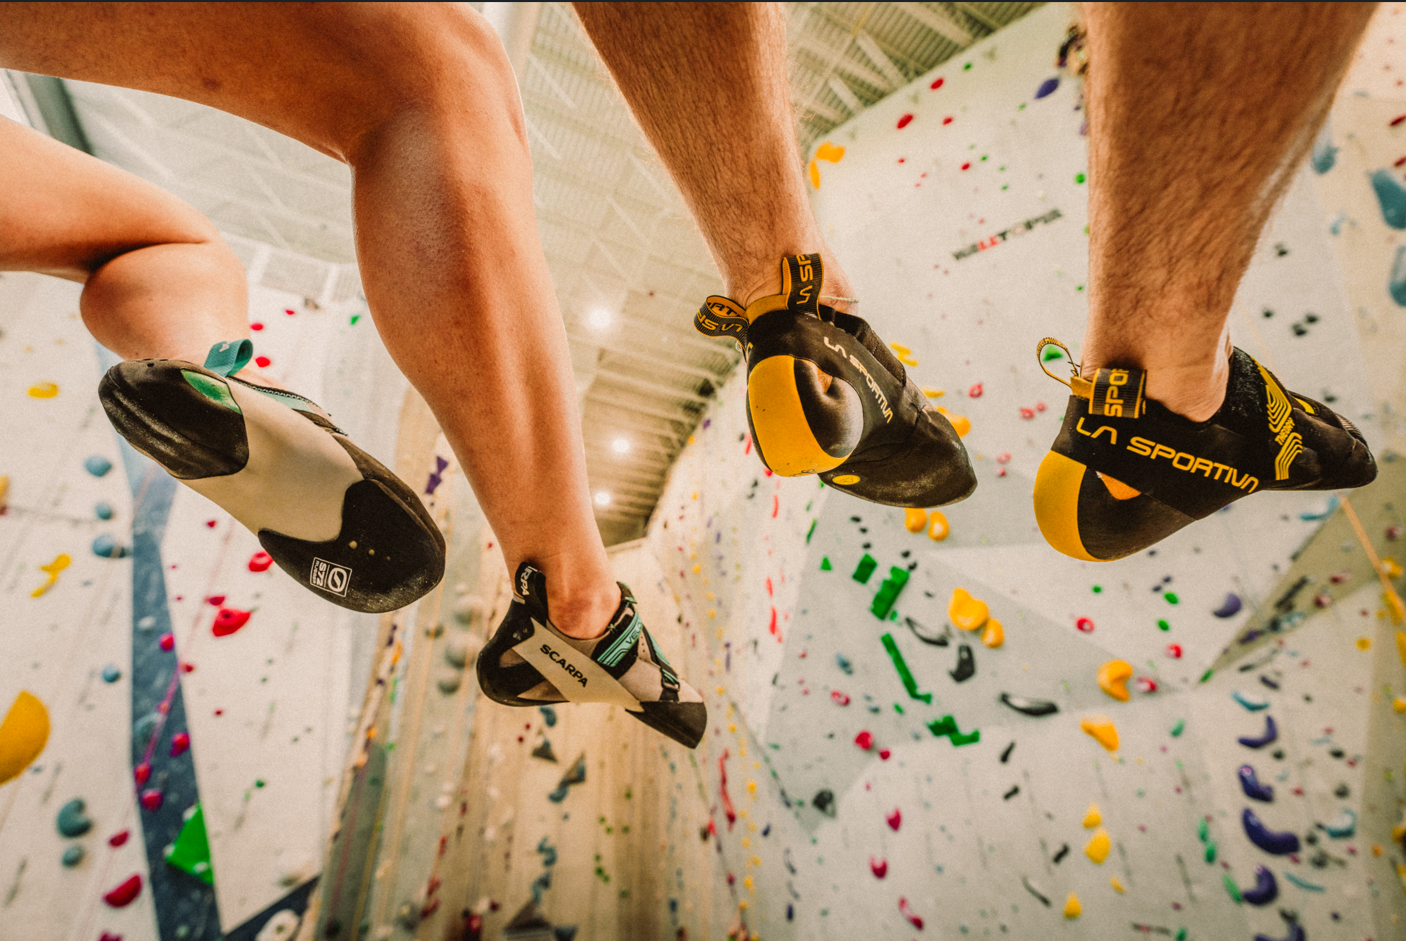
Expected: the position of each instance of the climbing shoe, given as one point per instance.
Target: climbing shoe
(531, 663)
(327, 512)
(863, 426)
(1125, 472)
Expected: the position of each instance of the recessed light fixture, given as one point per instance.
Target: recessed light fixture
(602, 498)
(620, 445)
(600, 318)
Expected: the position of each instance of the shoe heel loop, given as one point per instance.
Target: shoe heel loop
(802, 277)
(722, 317)
(228, 358)
(1114, 392)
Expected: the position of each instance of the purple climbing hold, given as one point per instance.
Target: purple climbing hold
(1229, 607)
(1270, 736)
(1278, 842)
(1047, 87)
(1296, 932)
(1266, 888)
(1252, 787)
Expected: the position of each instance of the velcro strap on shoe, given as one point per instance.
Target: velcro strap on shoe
(722, 317)
(228, 358)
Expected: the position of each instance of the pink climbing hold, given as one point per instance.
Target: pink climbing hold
(907, 912)
(215, 600)
(884, 754)
(975, 391)
(260, 562)
(124, 894)
(1027, 413)
(152, 799)
(180, 743)
(905, 121)
(1174, 651)
(879, 867)
(229, 620)
(865, 740)
(118, 838)
(895, 819)
(1085, 625)
(839, 697)
(142, 773)
(109, 936)
(168, 642)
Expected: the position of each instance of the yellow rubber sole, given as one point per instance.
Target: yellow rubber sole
(779, 425)
(1057, 485)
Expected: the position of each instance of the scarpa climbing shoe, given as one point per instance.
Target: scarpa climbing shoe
(826, 396)
(1125, 472)
(327, 512)
(529, 662)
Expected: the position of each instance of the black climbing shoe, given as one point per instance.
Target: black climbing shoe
(869, 431)
(327, 512)
(1125, 472)
(531, 663)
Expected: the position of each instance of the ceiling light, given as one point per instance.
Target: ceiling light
(602, 498)
(600, 318)
(620, 445)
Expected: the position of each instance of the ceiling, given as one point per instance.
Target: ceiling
(629, 265)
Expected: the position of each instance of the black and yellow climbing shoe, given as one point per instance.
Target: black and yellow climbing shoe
(327, 512)
(1125, 472)
(826, 396)
(531, 663)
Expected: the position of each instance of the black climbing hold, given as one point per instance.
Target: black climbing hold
(966, 664)
(1030, 707)
(824, 801)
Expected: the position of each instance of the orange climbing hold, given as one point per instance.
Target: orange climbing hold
(938, 529)
(914, 520)
(814, 175)
(966, 612)
(828, 151)
(23, 735)
(1102, 729)
(1113, 679)
(993, 635)
(960, 423)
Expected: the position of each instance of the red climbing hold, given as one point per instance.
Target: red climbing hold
(967, 165)
(879, 867)
(905, 121)
(168, 642)
(215, 600)
(1174, 651)
(118, 838)
(865, 740)
(1146, 684)
(775, 505)
(839, 697)
(907, 912)
(142, 773)
(260, 562)
(895, 819)
(937, 83)
(211, 524)
(975, 391)
(262, 361)
(884, 754)
(947, 120)
(1085, 625)
(1027, 413)
(1397, 120)
(152, 799)
(229, 620)
(109, 936)
(123, 895)
(180, 743)
(290, 313)
(256, 326)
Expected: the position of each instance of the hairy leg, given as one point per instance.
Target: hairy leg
(421, 102)
(707, 83)
(1199, 116)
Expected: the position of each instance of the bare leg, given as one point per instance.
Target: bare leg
(421, 102)
(1199, 115)
(707, 83)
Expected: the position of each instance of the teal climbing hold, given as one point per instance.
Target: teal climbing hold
(1391, 197)
(1397, 285)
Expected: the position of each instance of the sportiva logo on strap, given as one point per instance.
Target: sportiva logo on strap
(803, 280)
(1281, 425)
(1117, 393)
(721, 317)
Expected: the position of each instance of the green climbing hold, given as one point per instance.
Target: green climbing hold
(1079, 178)
(865, 568)
(1178, 728)
(1098, 589)
(1171, 597)
(1232, 889)
(825, 565)
(901, 666)
(191, 851)
(888, 591)
(811, 532)
(1163, 625)
(1210, 852)
(1207, 675)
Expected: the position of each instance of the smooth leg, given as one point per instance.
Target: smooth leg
(421, 102)
(1199, 116)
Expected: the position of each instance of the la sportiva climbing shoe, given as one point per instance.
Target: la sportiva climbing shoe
(826, 396)
(1125, 472)
(327, 512)
(531, 663)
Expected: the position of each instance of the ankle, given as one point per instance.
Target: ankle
(580, 605)
(764, 280)
(1194, 391)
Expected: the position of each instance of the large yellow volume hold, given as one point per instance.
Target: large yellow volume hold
(1098, 847)
(1113, 679)
(1102, 729)
(23, 735)
(966, 612)
(1072, 908)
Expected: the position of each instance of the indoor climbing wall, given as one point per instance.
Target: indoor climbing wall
(934, 722)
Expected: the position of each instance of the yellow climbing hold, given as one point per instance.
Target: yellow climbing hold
(1072, 908)
(1117, 886)
(1092, 817)
(933, 393)
(1364, 643)
(1102, 729)
(1391, 568)
(23, 735)
(914, 520)
(966, 612)
(814, 174)
(828, 151)
(1393, 605)
(905, 355)
(53, 569)
(1401, 646)
(1098, 847)
(1113, 679)
(938, 529)
(993, 635)
(1399, 703)
(960, 423)
(44, 390)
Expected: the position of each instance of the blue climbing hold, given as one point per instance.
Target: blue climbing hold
(107, 548)
(843, 663)
(1266, 888)
(1391, 197)
(103, 511)
(1343, 825)
(1252, 787)
(1278, 842)
(1254, 705)
(97, 465)
(1296, 932)
(1397, 285)
(1229, 607)
(111, 674)
(1324, 153)
(1271, 735)
(1047, 87)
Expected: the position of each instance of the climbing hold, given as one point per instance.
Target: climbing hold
(105, 547)
(72, 821)
(191, 851)
(865, 568)
(1296, 932)
(97, 465)
(1324, 154)
(152, 799)
(843, 663)
(1117, 886)
(829, 152)
(840, 698)
(103, 510)
(1252, 787)
(865, 740)
(180, 744)
(1030, 707)
(907, 912)
(1146, 684)
(1270, 736)
(1266, 888)
(914, 520)
(43, 390)
(544, 751)
(1277, 842)
(449, 681)
(906, 675)
(938, 529)
(1343, 825)
(1396, 285)
(1254, 705)
(1303, 883)
(993, 635)
(23, 734)
(167, 641)
(1390, 196)
(1174, 651)
(966, 612)
(1098, 846)
(1085, 625)
(1113, 679)
(824, 801)
(125, 893)
(111, 674)
(1072, 908)
(456, 653)
(879, 867)
(960, 423)
(1092, 817)
(229, 620)
(895, 819)
(72, 856)
(888, 592)
(966, 664)
(281, 927)
(948, 726)
(926, 634)
(1047, 87)
(1102, 729)
(1229, 607)
(61, 562)
(260, 562)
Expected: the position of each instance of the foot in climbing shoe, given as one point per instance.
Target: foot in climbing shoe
(529, 662)
(1125, 472)
(826, 396)
(327, 512)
